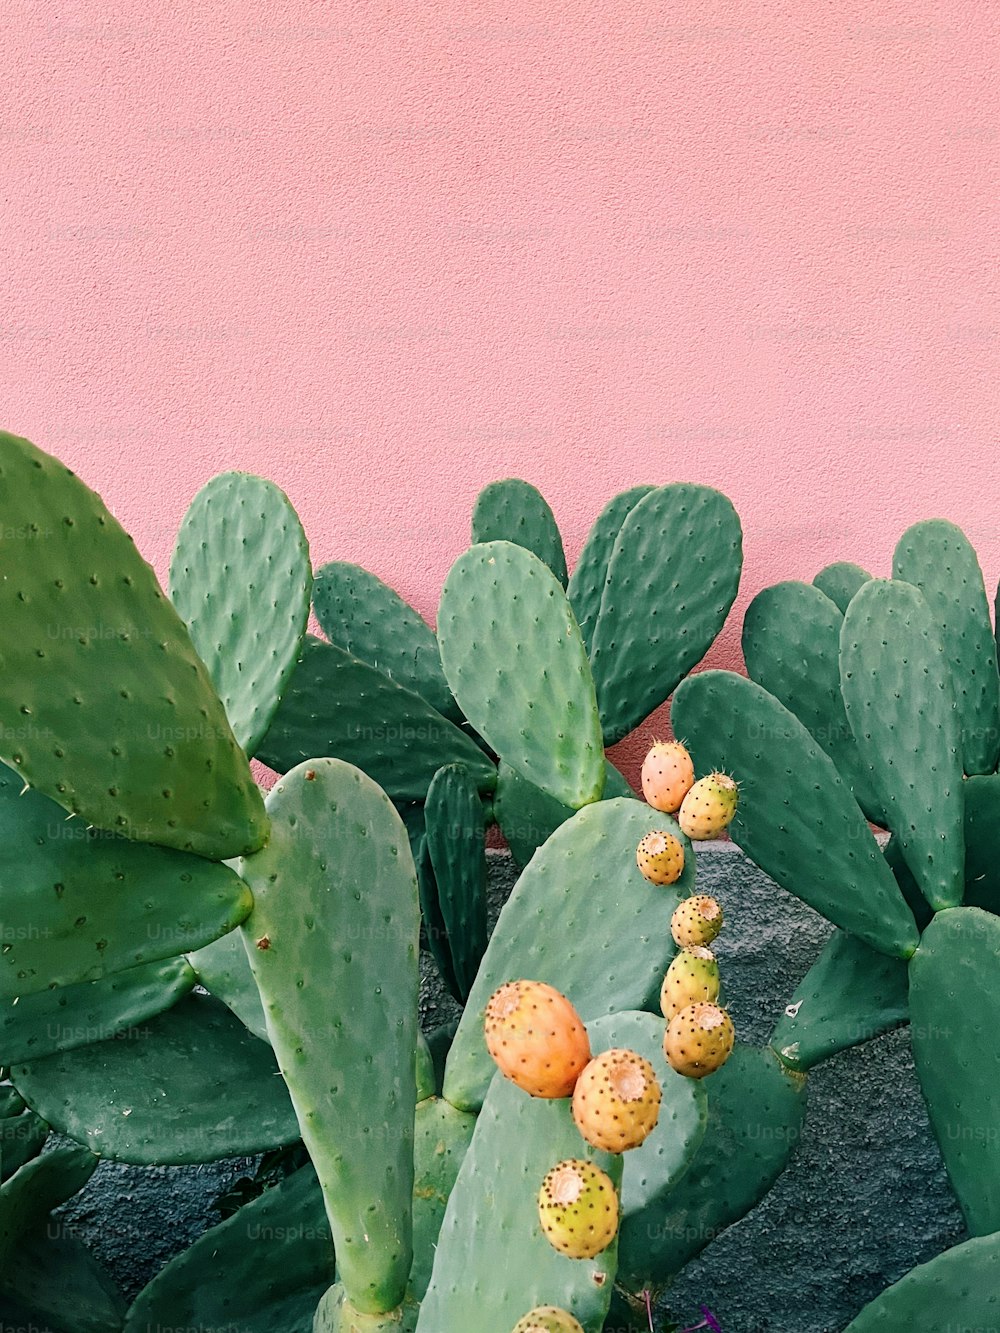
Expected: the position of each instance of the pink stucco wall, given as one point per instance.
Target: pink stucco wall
(383, 253)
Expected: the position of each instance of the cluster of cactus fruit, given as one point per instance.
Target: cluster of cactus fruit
(169, 935)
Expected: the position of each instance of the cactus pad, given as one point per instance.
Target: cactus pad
(672, 579)
(456, 844)
(957, 1291)
(514, 511)
(164, 1095)
(896, 683)
(365, 617)
(586, 584)
(585, 886)
(338, 705)
(955, 1016)
(849, 995)
(937, 558)
(69, 1016)
(796, 818)
(791, 646)
(240, 578)
(104, 703)
(333, 943)
(528, 816)
(755, 1112)
(518, 1139)
(516, 663)
(442, 1138)
(80, 904)
(262, 1270)
(840, 582)
(223, 968)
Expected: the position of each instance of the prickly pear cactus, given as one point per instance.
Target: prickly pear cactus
(515, 511)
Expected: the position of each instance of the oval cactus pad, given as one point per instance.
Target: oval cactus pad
(104, 702)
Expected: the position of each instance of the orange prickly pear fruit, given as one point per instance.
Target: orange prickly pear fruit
(696, 921)
(667, 775)
(616, 1101)
(699, 1040)
(548, 1319)
(708, 807)
(692, 978)
(536, 1038)
(660, 857)
(578, 1209)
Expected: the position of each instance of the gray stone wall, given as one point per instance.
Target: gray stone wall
(864, 1197)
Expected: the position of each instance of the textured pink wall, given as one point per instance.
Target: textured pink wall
(384, 253)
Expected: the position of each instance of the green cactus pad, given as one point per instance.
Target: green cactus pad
(796, 817)
(895, 679)
(456, 844)
(442, 1138)
(164, 1095)
(840, 582)
(528, 816)
(29, 1195)
(336, 1314)
(339, 706)
(516, 663)
(982, 818)
(333, 943)
(938, 558)
(606, 942)
(849, 995)
(956, 1291)
(791, 646)
(955, 1017)
(240, 578)
(518, 1139)
(755, 1113)
(586, 584)
(262, 1270)
(80, 904)
(365, 617)
(223, 968)
(514, 511)
(104, 703)
(651, 1171)
(434, 934)
(53, 1281)
(672, 579)
(38, 1025)
(22, 1134)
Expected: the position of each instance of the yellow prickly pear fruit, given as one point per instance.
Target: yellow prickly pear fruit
(699, 1040)
(536, 1038)
(692, 978)
(667, 775)
(696, 921)
(708, 807)
(548, 1319)
(578, 1209)
(660, 857)
(616, 1101)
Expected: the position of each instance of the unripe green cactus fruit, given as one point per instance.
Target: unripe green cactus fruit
(536, 1038)
(696, 921)
(667, 775)
(708, 807)
(578, 1209)
(616, 1101)
(548, 1319)
(660, 857)
(699, 1040)
(692, 978)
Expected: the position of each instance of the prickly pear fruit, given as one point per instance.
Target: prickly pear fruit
(696, 921)
(667, 776)
(699, 1040)
(536, 1038)
(708, 807)
(616, 1101)
(578, 1208)
(548, 1319)
(660, 857)
(692, 978)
